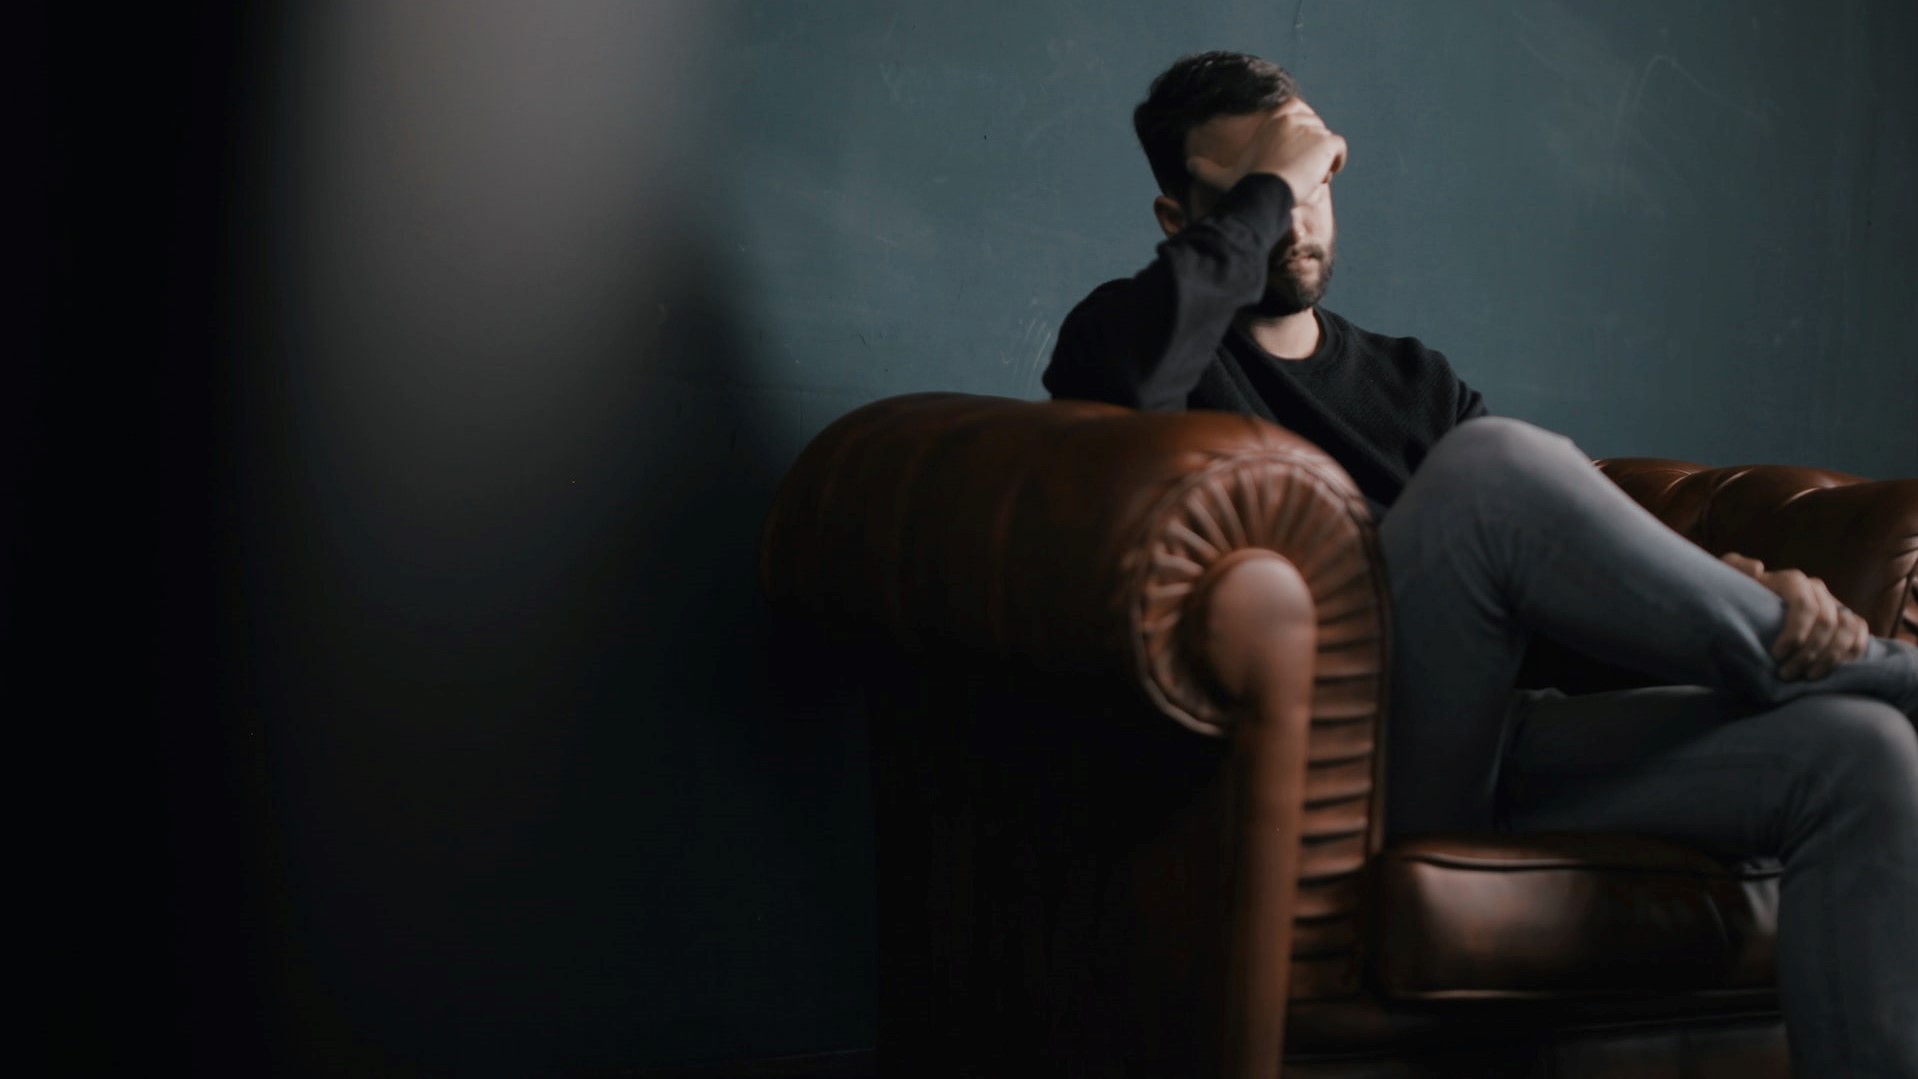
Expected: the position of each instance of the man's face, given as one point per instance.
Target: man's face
(1300, 267)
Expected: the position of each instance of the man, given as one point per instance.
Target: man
(1802, 749)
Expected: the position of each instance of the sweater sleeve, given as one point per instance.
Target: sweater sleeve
(1470, 404)
(1144, 342)
(1467, 403)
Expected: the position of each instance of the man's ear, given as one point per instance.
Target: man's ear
(1171, 215)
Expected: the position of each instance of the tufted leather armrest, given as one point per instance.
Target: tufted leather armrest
(1079, 539)
(1071, 535)
(1860, 537)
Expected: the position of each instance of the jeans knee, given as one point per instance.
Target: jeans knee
(1497, 445)
(1860, 747)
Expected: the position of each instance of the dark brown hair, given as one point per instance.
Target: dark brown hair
(1196, 89)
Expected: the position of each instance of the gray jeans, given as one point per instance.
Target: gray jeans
(1506, 529)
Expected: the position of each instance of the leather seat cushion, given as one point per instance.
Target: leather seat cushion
(1465, 917)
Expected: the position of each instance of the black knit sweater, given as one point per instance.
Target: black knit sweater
(1164, 340)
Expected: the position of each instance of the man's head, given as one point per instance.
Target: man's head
(1210, 105)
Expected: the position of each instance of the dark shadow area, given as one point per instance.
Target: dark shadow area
(406, 631)
(549, 813)
(535, 806)
(114, 540)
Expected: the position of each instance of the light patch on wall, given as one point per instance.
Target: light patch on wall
(480, 192)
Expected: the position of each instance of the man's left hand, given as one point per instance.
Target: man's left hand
(1819, 633)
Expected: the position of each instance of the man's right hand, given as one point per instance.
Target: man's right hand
(1292, 144)
(1819, 632)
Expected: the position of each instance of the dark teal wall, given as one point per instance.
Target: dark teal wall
(491, 327)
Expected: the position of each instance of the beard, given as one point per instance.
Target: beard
(1291, 289)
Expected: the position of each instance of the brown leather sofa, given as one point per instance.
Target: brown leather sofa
(1124, 674)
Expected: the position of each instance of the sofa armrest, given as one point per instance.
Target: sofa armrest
(1221, 568)
(1859, 536)
(1070, 536)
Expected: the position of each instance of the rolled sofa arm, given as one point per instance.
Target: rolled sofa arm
(1070, 535)
(1859, 536)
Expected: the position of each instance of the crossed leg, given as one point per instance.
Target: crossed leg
(1506, 529)
(1826, 784)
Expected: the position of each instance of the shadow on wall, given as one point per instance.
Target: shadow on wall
(758, 831)
(528, 801)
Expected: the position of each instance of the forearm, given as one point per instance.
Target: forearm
(1146, 346)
